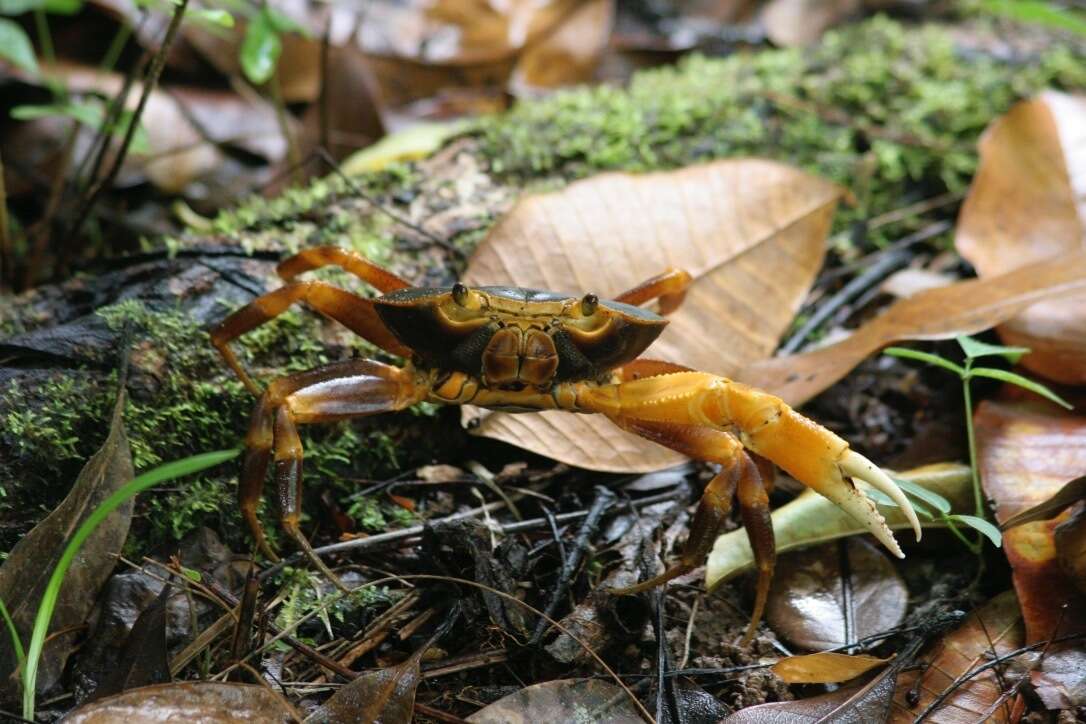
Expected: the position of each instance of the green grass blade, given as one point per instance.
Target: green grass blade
(931, 359)
(15, 641)
(161, 474)
(1023, 382)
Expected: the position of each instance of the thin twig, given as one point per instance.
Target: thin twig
(149, 84)
(604, 499)
(404, 535)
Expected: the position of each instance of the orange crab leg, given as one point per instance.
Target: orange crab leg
(669, 287)
(352, 311)
(746, 472)
(765, 425)
(351, 388)
(321, 256)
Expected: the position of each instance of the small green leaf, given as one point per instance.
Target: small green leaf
(15, 46)
(974, 348)
(260, 49)
(1038, 12)
(885, 500)
(20, 653)
(217, 17)
(18, 7)
(62, 7)
(191, 574)
(931, 359)
(1023, 382)
(919, 491)
(89, 114)
(980, 524)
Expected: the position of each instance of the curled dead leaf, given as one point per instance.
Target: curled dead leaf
(751, 232)
(824, 667)
(1025, 205)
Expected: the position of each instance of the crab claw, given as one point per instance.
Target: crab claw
(856, 465)
(814, 456)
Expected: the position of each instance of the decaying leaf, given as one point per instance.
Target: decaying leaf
(802, 22)
(751, 232)
(967, 307)
(1025, 205)
(23, 577)
(385, 695)
(143, 660)
(824, 667)
(1071, 548)
(1068, 495)
(811, 519)
(205, 702)
(1026, 452)
(808, 605)
(993, 629)
(600, 702)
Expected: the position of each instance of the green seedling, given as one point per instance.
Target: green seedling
(934, 506)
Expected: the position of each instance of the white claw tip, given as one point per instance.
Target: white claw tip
(856, 465)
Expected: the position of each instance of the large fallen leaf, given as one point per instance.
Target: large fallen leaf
(964, 308)
(143, 660)
(589, 700)
(204, 702)
(993, 629)
(1026, 452)
(825, 667)
(808, 605)
(24, 575)
(1026, 204)
(811, 519)
(751, 232)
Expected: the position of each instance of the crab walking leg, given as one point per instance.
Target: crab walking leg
(316, 257)
(764, 424)
(352, 311)
(740, 470)
(352, 388)
(668, 287)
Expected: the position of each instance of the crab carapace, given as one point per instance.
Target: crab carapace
(526, 350)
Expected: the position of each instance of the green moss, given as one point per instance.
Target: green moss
(375, 515)
(899, 103)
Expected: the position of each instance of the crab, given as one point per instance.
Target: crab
(523, 350)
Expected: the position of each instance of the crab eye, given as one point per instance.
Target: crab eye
(460, 294)
(589, 304)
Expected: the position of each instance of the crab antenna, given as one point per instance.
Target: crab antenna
(856, 465)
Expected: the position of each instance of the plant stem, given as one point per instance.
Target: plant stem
(978, 498)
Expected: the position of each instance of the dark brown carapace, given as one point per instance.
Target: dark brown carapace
(526, 350)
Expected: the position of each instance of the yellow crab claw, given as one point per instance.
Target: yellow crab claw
(812, 455)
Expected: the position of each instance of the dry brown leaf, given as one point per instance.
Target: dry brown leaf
(385, 695)
(964, 308)
(751, 232)
(802, 22)
(995, 627)
(567, 55)
(596, 701)
(825, 667)
(807, 605)
(1027, 204)
(22, 582)
(1026, 452)
(205, 702)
